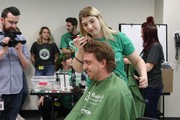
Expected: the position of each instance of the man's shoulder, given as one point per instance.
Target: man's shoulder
(1, 32)
(66, 34)
(119, 84)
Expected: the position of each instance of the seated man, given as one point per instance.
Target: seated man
(108, 97)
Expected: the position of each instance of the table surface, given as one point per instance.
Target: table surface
(56, 92)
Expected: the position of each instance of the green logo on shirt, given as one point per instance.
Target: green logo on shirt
(93, 98)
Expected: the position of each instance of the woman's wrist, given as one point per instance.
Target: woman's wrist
(80, 61)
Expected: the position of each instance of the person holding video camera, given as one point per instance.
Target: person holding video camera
(71, 26)
(14, 57)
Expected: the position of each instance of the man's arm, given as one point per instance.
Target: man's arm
(33, 58)
(24, 61)
(4, 50)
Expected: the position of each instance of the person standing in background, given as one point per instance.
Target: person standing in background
(71, 26)
(153, 56)
(93, 26)
(13, 59)
(44, 53)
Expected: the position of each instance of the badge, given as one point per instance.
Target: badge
(41, 67)
(1, 105)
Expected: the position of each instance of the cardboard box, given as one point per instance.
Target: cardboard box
(167, 78)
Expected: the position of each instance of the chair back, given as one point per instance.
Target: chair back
(146, 118)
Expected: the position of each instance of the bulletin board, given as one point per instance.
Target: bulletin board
(133, 32)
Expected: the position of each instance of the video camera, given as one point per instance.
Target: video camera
(12, 34)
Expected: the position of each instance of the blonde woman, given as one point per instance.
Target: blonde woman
(44, 53)
(93, 26)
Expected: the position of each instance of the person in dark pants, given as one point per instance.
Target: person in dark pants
(24, 96)
(44, 54)
(25, 89)
(153, 56)
(13, 60)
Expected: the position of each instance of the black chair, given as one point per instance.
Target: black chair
(146, 118)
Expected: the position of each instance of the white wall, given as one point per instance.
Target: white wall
(52, 13)
(171, 17)
(158, 13)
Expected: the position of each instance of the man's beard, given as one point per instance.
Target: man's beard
(7, 30)
(10, 32)
(71, 30)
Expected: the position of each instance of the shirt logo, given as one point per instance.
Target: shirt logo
(85, 111)
(94, 98)
(44, 54)
(117, 59)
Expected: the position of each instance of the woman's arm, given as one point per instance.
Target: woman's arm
(149, 66)
(140, 66)
(56, 56)
(78, 59)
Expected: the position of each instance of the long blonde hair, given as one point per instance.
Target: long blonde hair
(91, 11)
(40, 39)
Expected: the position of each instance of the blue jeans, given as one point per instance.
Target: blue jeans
(48, 70)
(12, 105)
(151, 97)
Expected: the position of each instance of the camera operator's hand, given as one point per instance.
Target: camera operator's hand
(18, 49)
(22, 58)
(4, 49)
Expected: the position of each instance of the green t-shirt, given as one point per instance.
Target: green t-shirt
(65, 39)
(122, 46)
(109, 99)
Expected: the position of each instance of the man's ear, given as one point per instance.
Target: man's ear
(103, 62)
(63, 63)
(2, 19)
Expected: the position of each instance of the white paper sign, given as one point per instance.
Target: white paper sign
(1, 105)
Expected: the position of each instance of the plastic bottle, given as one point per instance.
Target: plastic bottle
(78, 78)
